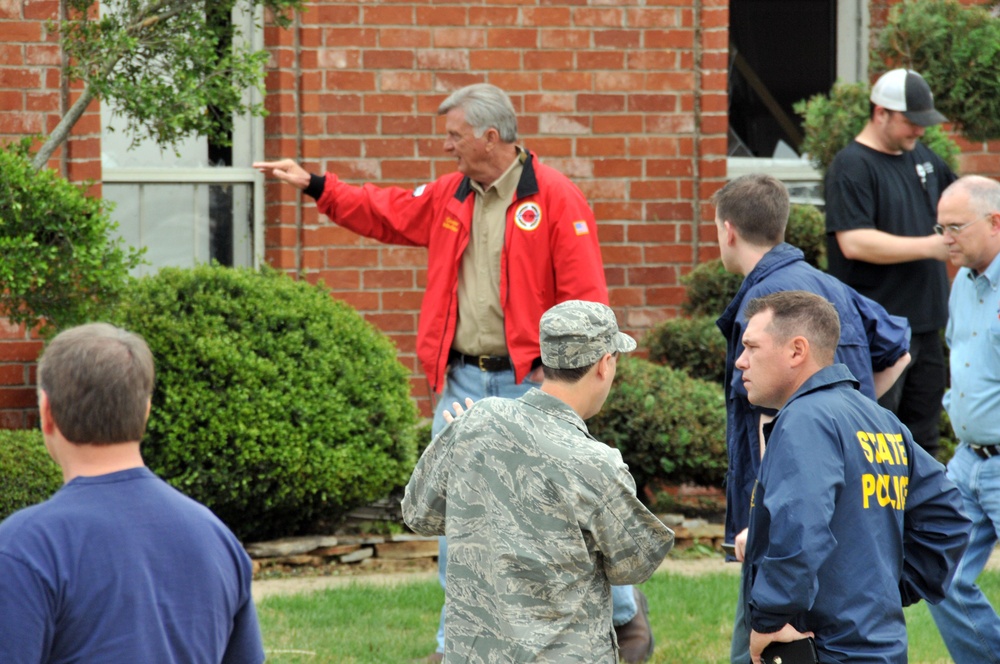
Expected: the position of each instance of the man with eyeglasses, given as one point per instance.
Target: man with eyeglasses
(882, 192)
(969, 219)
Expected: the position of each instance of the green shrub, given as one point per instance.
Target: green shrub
(28, 475)
(668, 426)
(695, 345)
(710, 289)
(275, 405)
(948, 441)
(831, 122)
(423, 435)
(807, 231)
(957, 49)
(59, 264)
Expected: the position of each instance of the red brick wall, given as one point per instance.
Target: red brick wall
(18, 352)
(32, 100)
(33, 94)
(628, 100)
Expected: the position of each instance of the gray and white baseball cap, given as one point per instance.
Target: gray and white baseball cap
(906, 91)
(576, 334)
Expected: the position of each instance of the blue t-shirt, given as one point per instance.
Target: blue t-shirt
(124, 568)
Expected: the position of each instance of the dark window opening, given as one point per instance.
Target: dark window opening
(220, 150)
(780, 52)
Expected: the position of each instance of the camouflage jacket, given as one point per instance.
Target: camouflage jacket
(541, 519)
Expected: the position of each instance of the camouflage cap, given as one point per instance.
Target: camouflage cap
(576, 334)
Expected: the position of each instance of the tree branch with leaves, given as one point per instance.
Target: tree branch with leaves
(170, 69)
(162, 65)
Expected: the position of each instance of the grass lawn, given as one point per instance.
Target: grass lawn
(691, 618)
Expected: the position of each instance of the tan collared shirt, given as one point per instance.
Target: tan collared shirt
(480, 328)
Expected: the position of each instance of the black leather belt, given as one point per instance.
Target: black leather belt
(484, 362)
(986, 451)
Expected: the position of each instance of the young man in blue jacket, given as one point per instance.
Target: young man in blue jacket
(751, 216)
(850, 520)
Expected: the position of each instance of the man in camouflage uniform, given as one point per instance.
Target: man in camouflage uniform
(541, 518)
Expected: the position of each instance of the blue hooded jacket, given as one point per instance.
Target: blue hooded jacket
(870, 340)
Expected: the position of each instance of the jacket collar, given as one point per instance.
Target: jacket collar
(777, 258)
(555, 408)
(824, 378)
(526, 186)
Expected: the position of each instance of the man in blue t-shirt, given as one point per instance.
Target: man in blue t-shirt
(117, 566)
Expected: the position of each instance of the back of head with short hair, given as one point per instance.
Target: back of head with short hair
(801, 313)
(757, 206)
(485, 106)
(568, 376)
(99, 380)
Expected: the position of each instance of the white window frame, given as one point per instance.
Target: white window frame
(853, 18)
(248, 146)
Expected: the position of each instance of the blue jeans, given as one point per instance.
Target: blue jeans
(739, 651)
(968, 623)
(463, 381)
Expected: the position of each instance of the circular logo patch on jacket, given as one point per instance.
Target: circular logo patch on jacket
(528, 216)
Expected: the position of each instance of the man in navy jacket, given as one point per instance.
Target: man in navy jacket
(751, 215)
(850, 520)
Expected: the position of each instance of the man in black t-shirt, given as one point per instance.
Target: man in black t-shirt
(882, 192)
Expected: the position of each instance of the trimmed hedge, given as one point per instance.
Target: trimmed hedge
(695, 345)
(710, 288)
(59, 264)
(668, 426)
(807, 231)
(28, 475)
(275, 405)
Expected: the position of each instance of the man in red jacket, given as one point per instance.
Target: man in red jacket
(507, 238)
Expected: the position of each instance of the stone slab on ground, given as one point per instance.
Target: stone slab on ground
(415, 548)
(357, 555)
(290, 546)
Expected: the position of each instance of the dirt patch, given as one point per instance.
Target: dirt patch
(388, 572)
(297, 581)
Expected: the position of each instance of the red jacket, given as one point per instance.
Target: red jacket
(550, 252)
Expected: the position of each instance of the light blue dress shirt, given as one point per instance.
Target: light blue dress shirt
(973, 335)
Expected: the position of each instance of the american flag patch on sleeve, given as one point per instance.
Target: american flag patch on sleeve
(581, 227)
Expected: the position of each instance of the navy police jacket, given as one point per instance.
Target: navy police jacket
(849, 522)
(870, 340)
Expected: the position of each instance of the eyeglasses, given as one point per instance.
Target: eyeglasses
(955, 229)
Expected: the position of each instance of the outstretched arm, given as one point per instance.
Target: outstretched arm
(285, 170)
